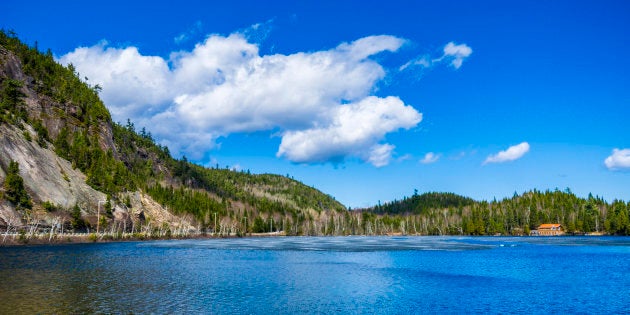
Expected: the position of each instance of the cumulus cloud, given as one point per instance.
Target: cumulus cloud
(618, 160)
(430, 158)
(453, 54)
(514, 152)
(320, 102)
(355, 129)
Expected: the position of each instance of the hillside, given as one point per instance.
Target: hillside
(418, 204)
(81, 170)
(447, 213)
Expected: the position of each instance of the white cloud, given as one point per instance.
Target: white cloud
(618, 160)
(404, 157)
(320, 102)
(430, 158)
(423, 62)
(514, 152)
(380, 154)
(452, 53)
(456, 53)
(355, 130)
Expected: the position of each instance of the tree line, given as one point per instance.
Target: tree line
(446, 213)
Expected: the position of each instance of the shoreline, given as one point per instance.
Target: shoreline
(13, 240)
(17, 240)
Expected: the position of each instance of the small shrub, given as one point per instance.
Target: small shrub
(139, 236)
(22, 237)
(49, 206)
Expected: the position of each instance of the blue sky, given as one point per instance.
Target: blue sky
(363, 100)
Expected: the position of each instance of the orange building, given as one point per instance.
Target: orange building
(550, 229)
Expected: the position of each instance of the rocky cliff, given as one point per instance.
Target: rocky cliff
(49, 178)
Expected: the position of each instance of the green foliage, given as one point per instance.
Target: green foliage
(141, 157)
(12, 94)
(259, 225)
(182, 200)
(14, 190)
(49, 206)
(236, 185)
(77, 221)
(62, 147)
(618, 220)
(12, 106)
(62, 84)
(42, 133)
(203, 191)
(104, 172)
(102, 222)
(451, 214)
(107, 207)
(418, 204)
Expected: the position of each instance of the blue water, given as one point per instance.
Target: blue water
(306, 275)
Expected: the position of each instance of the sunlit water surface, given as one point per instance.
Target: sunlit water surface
(345, 275)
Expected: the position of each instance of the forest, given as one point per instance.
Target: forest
(447, 213)
(119, 159)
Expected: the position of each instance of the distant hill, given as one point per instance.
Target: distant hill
(418, 204)
(448, 213)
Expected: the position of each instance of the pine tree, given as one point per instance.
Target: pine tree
(14, 190)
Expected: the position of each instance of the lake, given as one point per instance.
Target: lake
(308, 275)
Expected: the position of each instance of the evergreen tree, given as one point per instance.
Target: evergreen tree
(11, 94)
(14, 190)
(62, 147)
(259, 225)
(77, 222)
(11, 100)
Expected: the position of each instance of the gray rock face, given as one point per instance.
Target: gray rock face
(47, 177)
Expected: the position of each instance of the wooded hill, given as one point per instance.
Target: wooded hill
(65, 164)
(447, 213)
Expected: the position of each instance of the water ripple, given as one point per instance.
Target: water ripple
(307, 275)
